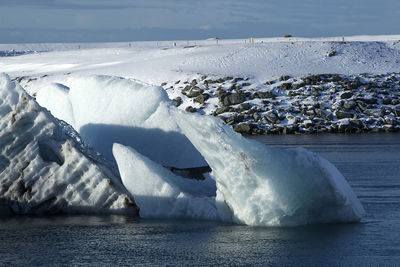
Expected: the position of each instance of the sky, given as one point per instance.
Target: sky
(24, 21)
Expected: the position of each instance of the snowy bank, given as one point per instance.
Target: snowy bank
(44, 170)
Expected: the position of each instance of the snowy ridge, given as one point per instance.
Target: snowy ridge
(43, 170)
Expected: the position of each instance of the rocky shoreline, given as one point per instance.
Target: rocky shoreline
(325, 103)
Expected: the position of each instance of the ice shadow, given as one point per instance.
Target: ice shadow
(166, 148)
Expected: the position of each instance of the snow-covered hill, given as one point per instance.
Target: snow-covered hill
(199, 75)
(157, 62)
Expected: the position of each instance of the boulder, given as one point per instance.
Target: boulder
(341, 114)
(233, 99)
(177, 101)
(265, 94)
(346, 95)
(190, 109)
(243, 128)
(202, 98)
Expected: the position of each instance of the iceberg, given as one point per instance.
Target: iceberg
(160, 193)
(44, 169)
(106, 110)
(250, 183)
(266, 186)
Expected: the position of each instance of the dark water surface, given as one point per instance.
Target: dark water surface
(371, 164)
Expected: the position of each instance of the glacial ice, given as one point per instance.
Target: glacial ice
(106, 110)
(160, 193)
(43, 169)
(269, 186)
(255, 184)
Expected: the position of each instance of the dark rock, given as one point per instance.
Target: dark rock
(190, 109)
(369, 100)
(386, 101)
(396, 112)
(177, 101)
(236, 118)
(237, 80)
(256, 116)
(357, 123)
(331, 53)
(202, 98)
(221, 110)
(377, 113)
(390, 120)
(194, 82)
(186, 89)
(233, 99)
(346, 95)
(349, 105)
(265, 95)
(194, 92)
(312, 79)
(243, 128)
(245, 106)
(298, 85)
(271, 117)
(164, 84)
(341, 114)
(336, 78)
(286, 86)
(284, 78)
(315, 91)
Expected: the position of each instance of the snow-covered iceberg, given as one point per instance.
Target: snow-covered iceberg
(269, 186)
(255, 184)
(106, 110)
(43, 169)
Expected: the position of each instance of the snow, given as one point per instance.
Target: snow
(44, 170)
(157, 62)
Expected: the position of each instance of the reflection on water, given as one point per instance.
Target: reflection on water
(371, 163)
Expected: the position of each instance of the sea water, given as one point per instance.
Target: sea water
(371, 164)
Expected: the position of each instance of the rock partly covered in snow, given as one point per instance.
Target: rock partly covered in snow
(44, 170)
(319, 103)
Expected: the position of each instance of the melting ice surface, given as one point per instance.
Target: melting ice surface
(253, 184)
